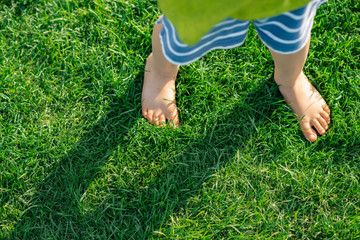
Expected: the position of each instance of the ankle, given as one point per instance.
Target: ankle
(289, 81)
(162, 69)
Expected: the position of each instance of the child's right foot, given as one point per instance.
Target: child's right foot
(158, 96)
(310, 108)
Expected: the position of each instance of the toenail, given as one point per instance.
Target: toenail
(311, 137)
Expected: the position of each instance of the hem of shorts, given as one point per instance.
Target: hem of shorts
(287, 52)
(196, 58)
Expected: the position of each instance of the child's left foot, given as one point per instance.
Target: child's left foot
(308, 105)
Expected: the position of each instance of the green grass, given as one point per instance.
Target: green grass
(78, 161)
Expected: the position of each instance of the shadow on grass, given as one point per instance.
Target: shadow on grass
(137, 210)
(19, 5)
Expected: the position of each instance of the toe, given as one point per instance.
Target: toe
(319, 128)
(150, 117)
(308, 131)
(176, 121)
(323, 123)
(325, 116)
(175, 118)
(162, 119)
(144, 112)
(326, 109)
(156, 120)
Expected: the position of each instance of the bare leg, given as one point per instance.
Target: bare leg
(300, 94)
(158, 93)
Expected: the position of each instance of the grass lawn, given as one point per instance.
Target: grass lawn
(78, 161)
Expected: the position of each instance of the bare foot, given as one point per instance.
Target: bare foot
(158, 96)
(308, 105)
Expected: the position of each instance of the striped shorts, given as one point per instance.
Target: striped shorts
(285, 34)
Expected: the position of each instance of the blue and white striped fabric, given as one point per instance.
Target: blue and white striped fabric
(286, 33)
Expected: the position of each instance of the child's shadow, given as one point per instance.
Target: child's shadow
(139, 207)
(19, 5)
